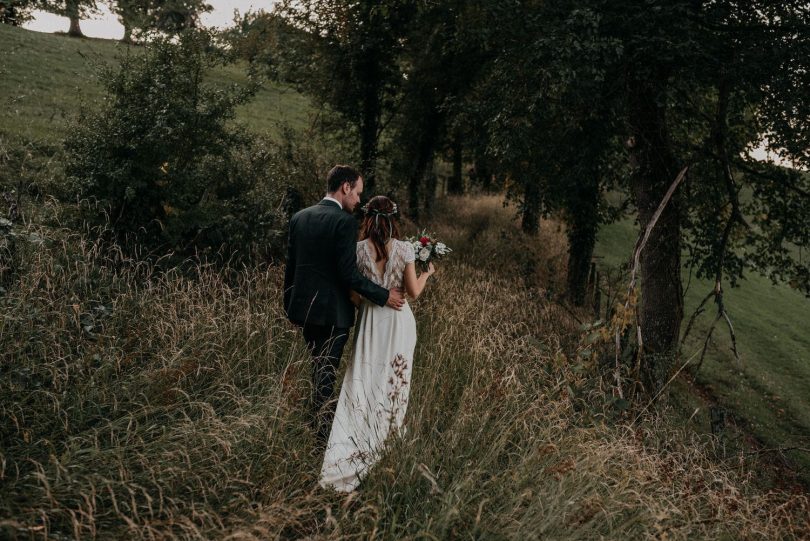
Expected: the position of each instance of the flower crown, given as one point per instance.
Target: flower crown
(377, 212)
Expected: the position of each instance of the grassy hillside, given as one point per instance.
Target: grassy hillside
(768, 391)
(45, 78)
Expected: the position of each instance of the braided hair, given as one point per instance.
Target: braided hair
(380, 224)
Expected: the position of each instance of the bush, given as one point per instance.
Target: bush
(286, 175)
(161, 160)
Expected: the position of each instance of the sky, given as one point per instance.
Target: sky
(106, 25)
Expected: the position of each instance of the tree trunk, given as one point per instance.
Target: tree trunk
(456, 184)
(127, 34)
(368, 136)
(483, 174)
(424, 160)
(75, 30)
(370, 77)
(430, 187)
(530, 219)
(661, 303)
(72, 12)
(582, 228)
(422, 171)
(414, 183)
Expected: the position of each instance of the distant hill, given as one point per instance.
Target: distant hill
(45, 78)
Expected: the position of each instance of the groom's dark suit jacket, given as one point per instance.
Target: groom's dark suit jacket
(322, 268)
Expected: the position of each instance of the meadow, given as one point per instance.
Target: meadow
(149, 405)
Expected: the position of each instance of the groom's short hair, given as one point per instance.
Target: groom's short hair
(340, 174)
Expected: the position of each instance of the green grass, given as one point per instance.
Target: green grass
(768, 392)
(46, 78)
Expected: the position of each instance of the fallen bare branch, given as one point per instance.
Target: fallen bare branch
(640, 243)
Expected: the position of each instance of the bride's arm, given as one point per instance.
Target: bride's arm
(413, 285)
(355, 297)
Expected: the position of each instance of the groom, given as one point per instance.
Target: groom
(321, 270)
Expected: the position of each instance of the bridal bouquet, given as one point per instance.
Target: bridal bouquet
(427, 248)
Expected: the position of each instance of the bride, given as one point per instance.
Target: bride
(374, 394)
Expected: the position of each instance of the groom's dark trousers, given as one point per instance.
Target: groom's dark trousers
(321, 271)
(326, 346)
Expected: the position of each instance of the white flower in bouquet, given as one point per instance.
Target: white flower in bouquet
(424, 255)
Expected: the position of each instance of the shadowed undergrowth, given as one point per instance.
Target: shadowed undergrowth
(145, 405)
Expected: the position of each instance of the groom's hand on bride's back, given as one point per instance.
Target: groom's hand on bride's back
(396, 298)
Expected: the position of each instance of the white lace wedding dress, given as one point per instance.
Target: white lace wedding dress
(374, 394)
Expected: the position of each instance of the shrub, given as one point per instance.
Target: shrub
(287, 174)
(160, 157)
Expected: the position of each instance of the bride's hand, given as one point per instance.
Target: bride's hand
(431, 269)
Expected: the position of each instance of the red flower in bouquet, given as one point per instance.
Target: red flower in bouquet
(425, 241)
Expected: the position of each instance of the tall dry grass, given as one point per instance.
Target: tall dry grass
(135, 404)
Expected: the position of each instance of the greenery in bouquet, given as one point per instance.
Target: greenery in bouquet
(427, 248)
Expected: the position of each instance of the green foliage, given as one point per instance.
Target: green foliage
(15, 12)
(160, 158)
(68, 8)
(556, 128)
(442, 59)
(174, 16)
(347, 58)
(742, 75)
(257, 38)
(134, 15)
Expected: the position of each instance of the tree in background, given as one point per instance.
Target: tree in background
(174, 16)
(164, 16)
(666, 85)
(255, 37)
(703, 82)
(133, 15)
(74, 10)
(442, 58)
(548, 97)
(350, 63)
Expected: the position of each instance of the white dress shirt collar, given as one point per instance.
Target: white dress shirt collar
(327, 198)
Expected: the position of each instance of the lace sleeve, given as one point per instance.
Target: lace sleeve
(362, 262)
(407, 252)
